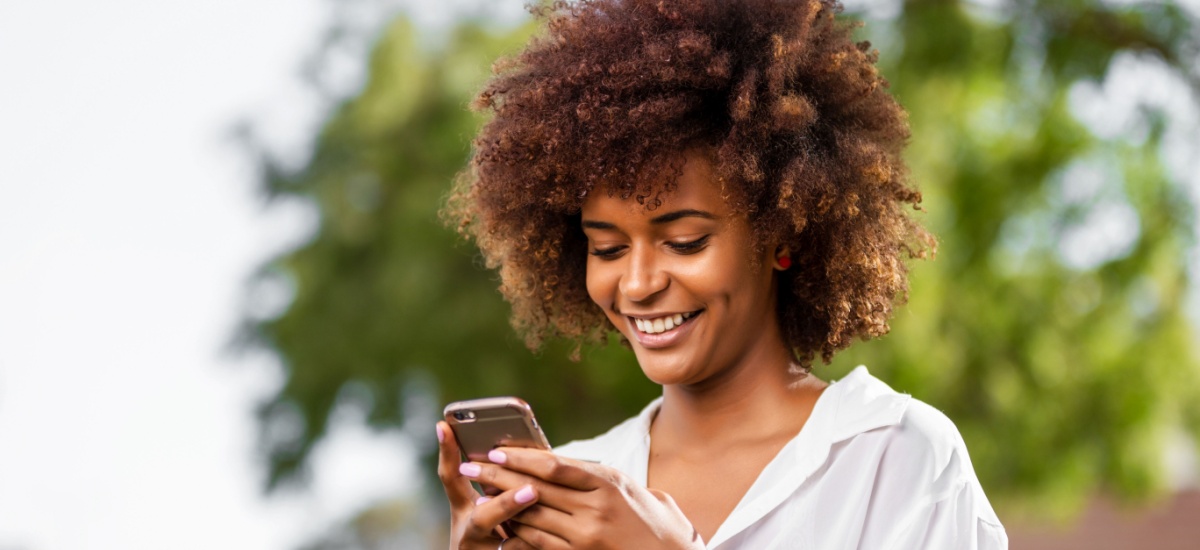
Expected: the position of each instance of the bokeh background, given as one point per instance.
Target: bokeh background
(229, 314)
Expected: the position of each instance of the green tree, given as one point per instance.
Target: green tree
(1063, 366)
(1065, 372)
(386, 298)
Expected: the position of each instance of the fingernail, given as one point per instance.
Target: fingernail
(441, 436)
(524, 495)
(482, 500)
(497, 457)
(468, 469)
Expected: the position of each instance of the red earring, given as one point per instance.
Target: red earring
(784, 262)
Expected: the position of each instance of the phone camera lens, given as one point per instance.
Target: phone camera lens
(460, 415)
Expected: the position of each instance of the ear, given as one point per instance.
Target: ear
(783, 258)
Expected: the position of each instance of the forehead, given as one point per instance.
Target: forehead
(696, 188)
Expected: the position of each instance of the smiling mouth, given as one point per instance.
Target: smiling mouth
(663, 324)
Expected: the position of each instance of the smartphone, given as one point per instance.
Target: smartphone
(481, 425)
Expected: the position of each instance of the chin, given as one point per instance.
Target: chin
(665, 371)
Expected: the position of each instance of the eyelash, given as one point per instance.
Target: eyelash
(606, 253)
(690, 247)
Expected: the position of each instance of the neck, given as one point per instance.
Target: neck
(764, 396)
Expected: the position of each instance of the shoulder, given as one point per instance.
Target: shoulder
(918, 456)
(927, 480)
(903, 432)
(922, 453)
(927, 443)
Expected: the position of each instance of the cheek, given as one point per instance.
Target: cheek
(599, 288)
(726, 272)
(732, 279)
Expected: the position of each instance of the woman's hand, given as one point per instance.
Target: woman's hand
(475, 520)
(583, 505)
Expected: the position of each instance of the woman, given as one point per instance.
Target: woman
(719, 181)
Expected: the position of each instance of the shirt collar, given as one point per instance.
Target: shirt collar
(855, 404)
(864, 403)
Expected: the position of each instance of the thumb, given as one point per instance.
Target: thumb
(665, 499)
(668, 502)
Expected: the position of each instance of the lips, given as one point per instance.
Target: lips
(662, 331)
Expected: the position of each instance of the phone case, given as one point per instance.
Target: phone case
(481, 425)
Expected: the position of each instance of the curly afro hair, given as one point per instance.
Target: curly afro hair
(803, 136)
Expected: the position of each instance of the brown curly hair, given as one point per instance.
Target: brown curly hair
(803, 135)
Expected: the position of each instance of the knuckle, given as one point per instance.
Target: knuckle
(531, 513)
(476, 525)
(556, 468)
(540, 487)
(589, 536)
(561, 470)
(531, 537)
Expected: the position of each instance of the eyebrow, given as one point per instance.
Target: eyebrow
(657, 220)
(679, 214)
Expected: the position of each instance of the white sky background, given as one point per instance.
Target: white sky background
(128, 225)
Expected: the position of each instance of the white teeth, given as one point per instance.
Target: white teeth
(662, 324)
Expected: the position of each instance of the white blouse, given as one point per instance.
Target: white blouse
(871, 468)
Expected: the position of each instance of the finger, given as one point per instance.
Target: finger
(491, 475)
(560, 470)
(489, 514)
(548, 519)
(495, 477)
(512, 543)
(669, 502)
(663, 497)
(458, 488)
(539, 539)
(515, 543)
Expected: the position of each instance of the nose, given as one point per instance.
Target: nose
(643, 277)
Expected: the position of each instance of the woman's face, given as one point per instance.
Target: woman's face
(681, 282)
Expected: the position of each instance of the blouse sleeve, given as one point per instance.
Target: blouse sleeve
(933, 499)
(955, 522)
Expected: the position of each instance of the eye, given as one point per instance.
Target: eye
(606, 253)
(689, 247)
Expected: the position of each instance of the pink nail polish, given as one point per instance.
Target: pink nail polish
(524, 495)
(469, 470)
(441, 435)
(482, 500)
(497, 457)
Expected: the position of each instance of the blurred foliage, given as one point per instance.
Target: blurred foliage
(1063, 374)
(384, 295)
(1065, 371)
